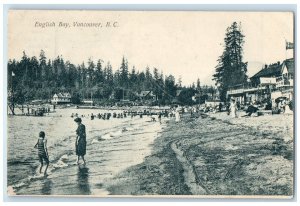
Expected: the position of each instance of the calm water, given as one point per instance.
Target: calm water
(112, 146)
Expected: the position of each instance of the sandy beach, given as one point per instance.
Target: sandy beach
(207, 154)
(216, 155)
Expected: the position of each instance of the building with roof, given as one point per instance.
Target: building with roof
(146, 95)
(273, 78)
(61, 98)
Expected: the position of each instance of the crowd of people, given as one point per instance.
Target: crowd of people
(172, 112)
(80, 142)
(282, 105)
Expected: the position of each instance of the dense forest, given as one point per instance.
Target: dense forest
(40, 78)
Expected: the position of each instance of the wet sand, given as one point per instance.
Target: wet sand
(216, 155)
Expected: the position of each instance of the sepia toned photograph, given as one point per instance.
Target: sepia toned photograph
(193, 104)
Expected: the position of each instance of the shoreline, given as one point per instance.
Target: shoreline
(194, 157)
(112, 146)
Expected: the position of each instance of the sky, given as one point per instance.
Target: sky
(184, 44)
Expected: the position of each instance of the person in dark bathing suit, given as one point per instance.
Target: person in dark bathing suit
(41, 145)
(80, 144)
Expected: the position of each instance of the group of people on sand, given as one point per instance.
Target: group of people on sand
(277, 107)
(235, 106)
(80, 146)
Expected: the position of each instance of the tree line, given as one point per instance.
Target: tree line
(40, 78)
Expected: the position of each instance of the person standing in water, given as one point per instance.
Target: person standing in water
(41, 145)
(80, 143)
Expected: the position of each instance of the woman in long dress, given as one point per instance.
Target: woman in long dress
(80, 144)
(233, 109)
(177, 114)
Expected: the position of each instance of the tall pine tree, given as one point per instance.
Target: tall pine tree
(231, 70)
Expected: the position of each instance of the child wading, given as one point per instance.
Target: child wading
(41, 145)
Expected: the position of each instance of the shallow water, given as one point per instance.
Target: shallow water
(112, 146)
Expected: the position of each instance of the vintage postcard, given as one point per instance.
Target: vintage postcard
(150, 104)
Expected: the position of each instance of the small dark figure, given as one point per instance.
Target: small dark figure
(159, 117)
(251, 109)
(238, 105)
(220, 107)
(41, 145)
(227, 108)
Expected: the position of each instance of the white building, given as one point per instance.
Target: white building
(61, 98)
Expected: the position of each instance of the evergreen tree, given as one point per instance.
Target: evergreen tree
(231, 70)
(198, 87)
(123, 81)
(142, 81)
(91, 73)
(170, 87)
(43, 64)
(193, 86)
(148, 78)
(109, 75)
(35, 72)
(99, 73)
(133, 79)
(179, 82)
(156, 86)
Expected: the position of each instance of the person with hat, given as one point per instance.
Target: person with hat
(80, 143)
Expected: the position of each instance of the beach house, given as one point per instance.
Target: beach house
(277, 78)
(146, 95)
(61, 98)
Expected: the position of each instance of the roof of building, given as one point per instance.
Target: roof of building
(274, 70)
(145, 93)
(63, 95)
(290, 64)
(269, 71)
(178, 91)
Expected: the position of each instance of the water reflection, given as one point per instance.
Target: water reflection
(46, 187)
(83, 180)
